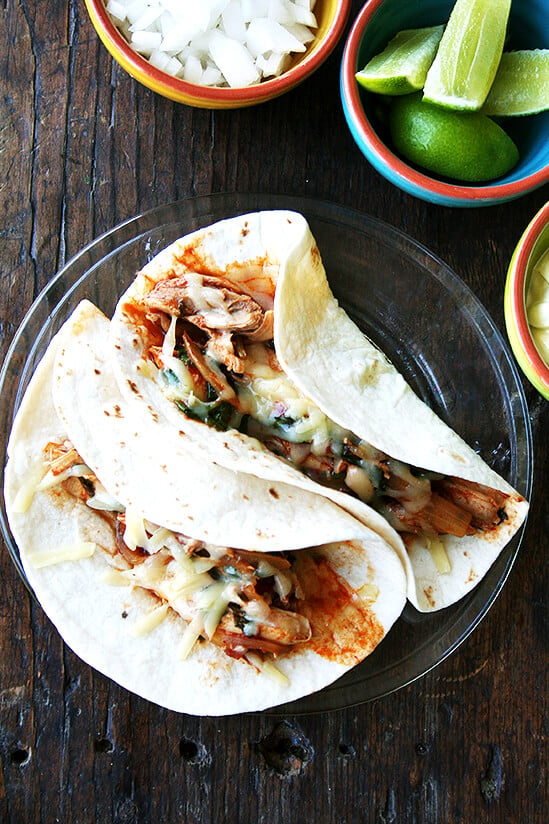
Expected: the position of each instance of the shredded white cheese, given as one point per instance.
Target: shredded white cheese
(25, 494)
(439, 556)
(267, 667)
(135, 534)
(71, 552)
(114, 578)
(191, 635)
(148, 622)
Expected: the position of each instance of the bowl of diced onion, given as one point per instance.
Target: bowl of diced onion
(526, 301)
(219, 53)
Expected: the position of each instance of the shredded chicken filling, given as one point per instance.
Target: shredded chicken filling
(245, 602)
(223, 370)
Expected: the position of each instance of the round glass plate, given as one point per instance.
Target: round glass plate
(408, 302)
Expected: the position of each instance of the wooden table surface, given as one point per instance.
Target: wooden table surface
(82, 148)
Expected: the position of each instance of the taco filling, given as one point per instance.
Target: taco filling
(212, 348)
(254, 606)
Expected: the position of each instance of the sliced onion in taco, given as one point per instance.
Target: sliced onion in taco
(233, 335)
(194, 625)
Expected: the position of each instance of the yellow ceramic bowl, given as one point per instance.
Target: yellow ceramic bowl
(533, 243)
(331, 16)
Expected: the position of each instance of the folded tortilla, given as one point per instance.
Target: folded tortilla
(247, 595)
(210, 304)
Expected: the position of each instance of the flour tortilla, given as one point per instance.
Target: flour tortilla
(274, 257)
(95, 618)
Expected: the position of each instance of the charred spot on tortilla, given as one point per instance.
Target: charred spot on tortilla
(97, 371)
(428, 592)
(133, 386)
(273, 493)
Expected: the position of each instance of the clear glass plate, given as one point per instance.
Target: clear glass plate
(408, 302)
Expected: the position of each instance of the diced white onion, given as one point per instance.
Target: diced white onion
(234, 60)
(217, 42)
(145, 42)
(116, 9)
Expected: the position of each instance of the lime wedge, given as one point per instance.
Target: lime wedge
(521, 85)
(403, 65)
(469, 54)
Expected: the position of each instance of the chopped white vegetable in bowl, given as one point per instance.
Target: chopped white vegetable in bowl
(237, 52)
(217, 42)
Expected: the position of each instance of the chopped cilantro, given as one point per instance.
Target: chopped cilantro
(181, 353)
(220, 416)
(284, 420)
(231, 572)
(187, 410)
(170, 377)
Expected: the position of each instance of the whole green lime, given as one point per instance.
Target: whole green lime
(466, 146)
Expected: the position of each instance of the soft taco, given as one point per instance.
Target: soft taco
(211, 611)
(233, 336)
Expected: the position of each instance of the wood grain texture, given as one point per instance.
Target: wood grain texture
(82, 148)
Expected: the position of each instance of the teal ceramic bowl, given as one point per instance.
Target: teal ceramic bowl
(376, 24)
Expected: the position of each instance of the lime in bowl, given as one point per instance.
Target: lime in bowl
(418, 82)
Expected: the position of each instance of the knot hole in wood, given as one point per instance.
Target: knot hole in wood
(286, 750)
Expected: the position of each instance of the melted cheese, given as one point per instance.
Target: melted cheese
(269, 394)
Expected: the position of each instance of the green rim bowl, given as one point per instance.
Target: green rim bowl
(531, 246)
